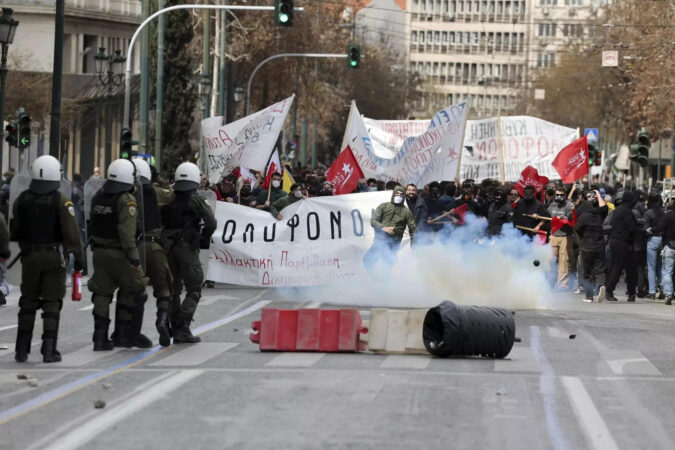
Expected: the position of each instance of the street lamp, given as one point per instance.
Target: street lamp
(110, 71)
(7, 30)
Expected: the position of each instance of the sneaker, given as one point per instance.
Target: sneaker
(579, 290)
(601, 295)
(588, 299)
(669, 300)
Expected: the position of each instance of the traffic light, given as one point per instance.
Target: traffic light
(594, 154)
(12, 138)
(24, 131)
(640, 152)
(283, 13)
(125, 144)
(354, 56)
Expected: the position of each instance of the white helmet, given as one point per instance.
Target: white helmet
(122, 171)
(46, 168)
(187, 177)
(142, 168)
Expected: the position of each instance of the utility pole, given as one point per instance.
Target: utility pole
(145, 84)
(159, 107)
(57, 75)
(205, 81)
(221, 62)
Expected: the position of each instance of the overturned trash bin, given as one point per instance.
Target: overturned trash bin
(453, 330)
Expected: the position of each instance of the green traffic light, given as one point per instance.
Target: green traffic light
(25, 141)
(283, 18)
(353, 63)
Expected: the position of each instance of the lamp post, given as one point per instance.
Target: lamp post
(205, 88)
(110, 71)
(7, 30)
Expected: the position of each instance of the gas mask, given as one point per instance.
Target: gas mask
(559, 199)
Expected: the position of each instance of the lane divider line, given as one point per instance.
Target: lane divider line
(68, 388)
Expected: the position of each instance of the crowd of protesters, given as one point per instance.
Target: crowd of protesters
(605, 231)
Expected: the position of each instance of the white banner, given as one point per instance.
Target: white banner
(524, 141)
(246, 142)
(319, 241)
(385, 152)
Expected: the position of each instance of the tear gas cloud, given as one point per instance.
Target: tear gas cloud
(462, 265)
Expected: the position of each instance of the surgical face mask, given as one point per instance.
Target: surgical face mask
(372, 188)
(297, 194)
(276, 183)
(398, 199)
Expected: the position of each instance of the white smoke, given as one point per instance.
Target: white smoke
(461, 265)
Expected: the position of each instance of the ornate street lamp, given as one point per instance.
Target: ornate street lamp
(110, 71)
(7, 30)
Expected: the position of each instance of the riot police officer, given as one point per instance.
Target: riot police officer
(116, 260)
(43, 221)
(151, 246)
(188, 222)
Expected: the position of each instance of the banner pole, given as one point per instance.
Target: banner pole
(500, 144)
(461, 148)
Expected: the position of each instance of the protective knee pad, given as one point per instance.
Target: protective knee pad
(101, 306)
(50, 321)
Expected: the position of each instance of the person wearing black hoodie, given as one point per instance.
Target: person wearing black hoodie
(624, 225)
(652, 217)
(588, 227)
(526, 207)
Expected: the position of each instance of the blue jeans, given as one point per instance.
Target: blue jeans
(382, 248)
(653, 274)
(667, 271)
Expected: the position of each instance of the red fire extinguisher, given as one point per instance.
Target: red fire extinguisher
(77, 282)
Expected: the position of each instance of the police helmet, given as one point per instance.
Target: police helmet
(187, 177)
(142, 170)
(46, 168)
(121, 171)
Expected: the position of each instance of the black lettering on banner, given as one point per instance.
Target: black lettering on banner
(309, 228)
(274, 232)
(336, 219)
(249, 229)
(227, 225)
(293, 223)
(357, 220)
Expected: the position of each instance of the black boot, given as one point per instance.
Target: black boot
(49, 352)
(101, 341)
(137, 338)
(162, 325)
(23, 339)
(182, 333)
(175, 313)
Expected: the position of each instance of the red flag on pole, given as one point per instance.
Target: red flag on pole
(530, 177)
(345, 172)
(572, 161)
(274, 166)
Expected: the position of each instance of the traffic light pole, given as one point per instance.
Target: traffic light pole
(284, 55)
(130, 51)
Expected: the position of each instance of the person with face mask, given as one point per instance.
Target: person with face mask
(372, 185)
(561, 240)
(326, 190)
(500, 212)
(296, 195)
(529, 205)
(270, 195)
(246, 197)
(390, 221)
(590, 215)
(437, 204)
(623, 225)
(361, 185)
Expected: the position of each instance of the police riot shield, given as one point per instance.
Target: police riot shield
(210, 198)
(66, 188)
(20, 182)
(91, 187)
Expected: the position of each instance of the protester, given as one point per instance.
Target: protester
(437, 205)
(623, 225)
(389, 221)
(97, 174)
(561, 240)
(326, 190)
(225, 191)
(526, 208)
(246, 196)
(270, 195)
(372, 185)
(666, 227)
(652, 217)
(500, 212)
(639, 246)
(416, 205)
(296, 195)
(588, 227)
(361, 185)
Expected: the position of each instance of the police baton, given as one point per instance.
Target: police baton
(16, 258)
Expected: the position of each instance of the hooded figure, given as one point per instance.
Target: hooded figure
(499, 213)
(390, 221)
(623, 227)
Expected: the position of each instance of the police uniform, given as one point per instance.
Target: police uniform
(42, 223)
(116, 262)
(155, 263)
(187, 220)
(5, 253)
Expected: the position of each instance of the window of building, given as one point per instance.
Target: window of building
(546, 29)
(548, 2)
(574, 2)
(545, 59)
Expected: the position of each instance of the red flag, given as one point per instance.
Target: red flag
(345, 172)
(557, 223)
(572, 161)
(460, 213)
(530, 177)
(274, 166)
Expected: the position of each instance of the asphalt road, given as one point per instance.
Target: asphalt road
(611, 386)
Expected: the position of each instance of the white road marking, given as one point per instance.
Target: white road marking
(89, 430)
(9, 327)
(520, 359)
(194, 354)
(85, 355)
(292, 359)
(405, 362)
(86, 308)
(629, 362)
(591, 421)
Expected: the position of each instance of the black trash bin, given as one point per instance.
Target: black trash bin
(454, 330)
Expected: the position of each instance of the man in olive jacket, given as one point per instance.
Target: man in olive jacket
(389, 221)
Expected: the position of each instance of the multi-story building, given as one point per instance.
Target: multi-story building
(89, 25)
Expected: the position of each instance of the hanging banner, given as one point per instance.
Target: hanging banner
(320, 240)
(383, 152)
(524, 141)
(246, 142)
